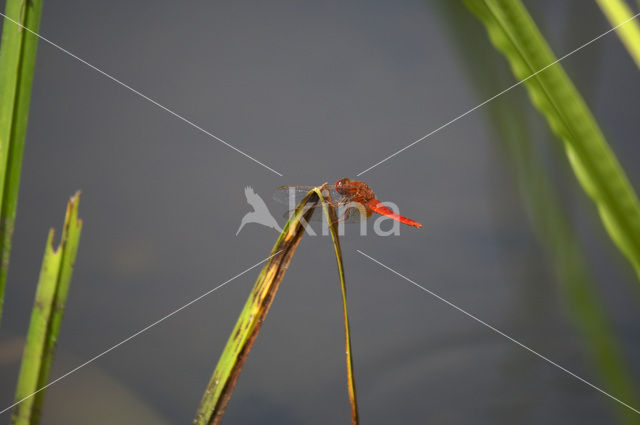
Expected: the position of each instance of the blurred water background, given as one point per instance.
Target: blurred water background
(319, 91)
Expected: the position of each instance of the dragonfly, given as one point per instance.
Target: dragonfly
(347, 196)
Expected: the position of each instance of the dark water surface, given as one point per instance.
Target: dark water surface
(317, 91)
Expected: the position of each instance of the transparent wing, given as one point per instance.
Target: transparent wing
(292, 195)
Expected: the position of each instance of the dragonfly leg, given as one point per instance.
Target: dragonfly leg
(344, 217)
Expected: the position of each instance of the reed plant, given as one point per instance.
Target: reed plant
(514, 33)
(17, 63)
(227, 371)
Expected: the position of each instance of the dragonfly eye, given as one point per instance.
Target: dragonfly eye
(340, 184)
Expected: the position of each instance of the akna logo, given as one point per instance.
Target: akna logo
(262, 215)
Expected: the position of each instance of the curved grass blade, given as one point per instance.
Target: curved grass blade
(548, 217)
(225, 375)
(17, 63)
(514, 33)
(46, 317)
(617, 11)
(332, 221)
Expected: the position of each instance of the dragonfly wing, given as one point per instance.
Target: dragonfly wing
(316, 217)
(291, 195)
(344, 214)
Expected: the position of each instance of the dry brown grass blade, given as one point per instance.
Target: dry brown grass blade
(332, 220)
(223, 380)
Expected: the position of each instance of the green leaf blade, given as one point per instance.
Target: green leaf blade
(514, 33)
(69, 243)
(46, 317)
(617, 12)
(32, 358)
(17, 65)
(254, 312)
(548, 217)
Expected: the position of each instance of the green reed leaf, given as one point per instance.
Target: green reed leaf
(17, 63)
(514, 33)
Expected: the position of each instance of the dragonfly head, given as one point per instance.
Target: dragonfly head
(342, 185)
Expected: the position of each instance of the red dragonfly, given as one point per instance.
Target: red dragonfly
(348, 193)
